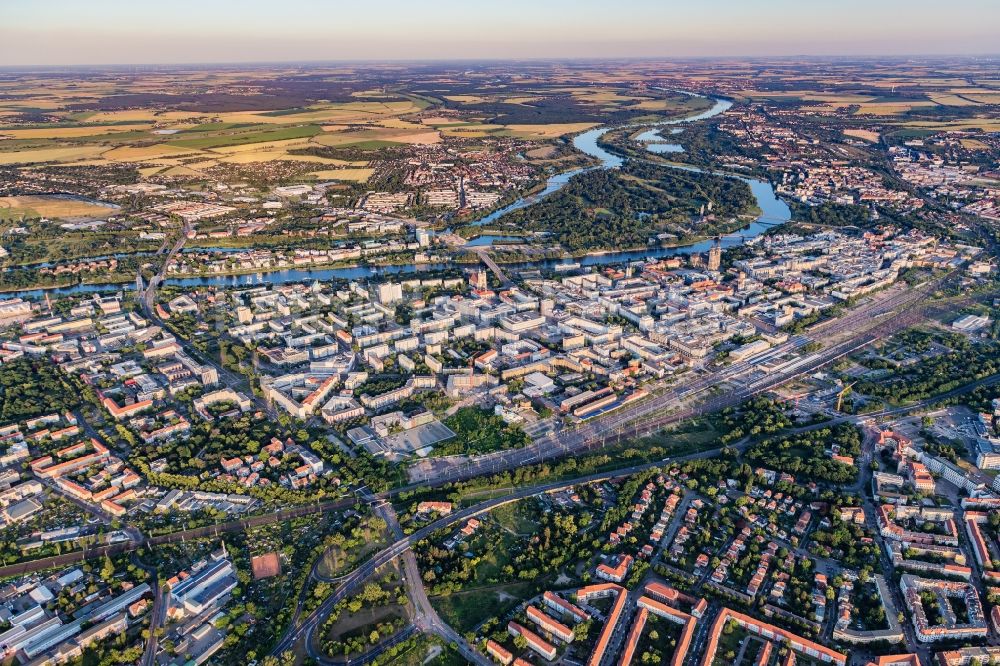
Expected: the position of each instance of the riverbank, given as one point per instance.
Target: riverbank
(773, 212)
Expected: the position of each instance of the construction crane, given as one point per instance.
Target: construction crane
(841, 394)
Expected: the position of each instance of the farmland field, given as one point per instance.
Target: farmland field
(33, 206)
(866, 135)
(546, 131)
(104, 123)
(250, 137)
(359, 175)
(368, 137)
(60, 154)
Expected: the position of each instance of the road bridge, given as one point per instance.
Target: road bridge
(484, 255)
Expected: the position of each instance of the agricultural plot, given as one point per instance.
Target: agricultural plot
(42, 206)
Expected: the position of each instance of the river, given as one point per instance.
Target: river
(773, 212)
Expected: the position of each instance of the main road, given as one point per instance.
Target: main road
(404, 543)
(877, 318)
(147, 301)
(401, 547)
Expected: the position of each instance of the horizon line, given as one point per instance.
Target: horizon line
(493, 60)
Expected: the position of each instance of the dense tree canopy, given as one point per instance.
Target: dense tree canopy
(805, 455)
(31, 387)
(606, 208)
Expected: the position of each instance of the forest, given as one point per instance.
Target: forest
(31, 387)
(606, 208)
(478, 431)
(804, 455)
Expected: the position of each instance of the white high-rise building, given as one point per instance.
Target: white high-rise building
(390, 293)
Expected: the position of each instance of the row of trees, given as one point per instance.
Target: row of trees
(757, 416)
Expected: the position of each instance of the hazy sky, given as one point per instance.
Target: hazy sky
(79, 32)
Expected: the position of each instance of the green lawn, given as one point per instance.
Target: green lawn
(512, 518)
(695, 433)
(468, 609)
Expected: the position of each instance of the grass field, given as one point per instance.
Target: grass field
(550, 131)
(182, 171)
(204, 139)
(359, 111)
(471, 130)
(142, 153)
(426, 652)
(467, 609)
(541, 153)
(436, 121)
(70, 132)
(693, 435)
(66, 127)
(466, 99)
(953, 100)
(841, 99)
(984, 124)
(415, 136)
(890, 108)
(983, 98)
(246, 157)
(281, 145)
(522, 100)
(605, 97)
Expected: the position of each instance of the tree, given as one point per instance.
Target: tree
(373, 594)
(108, 570)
